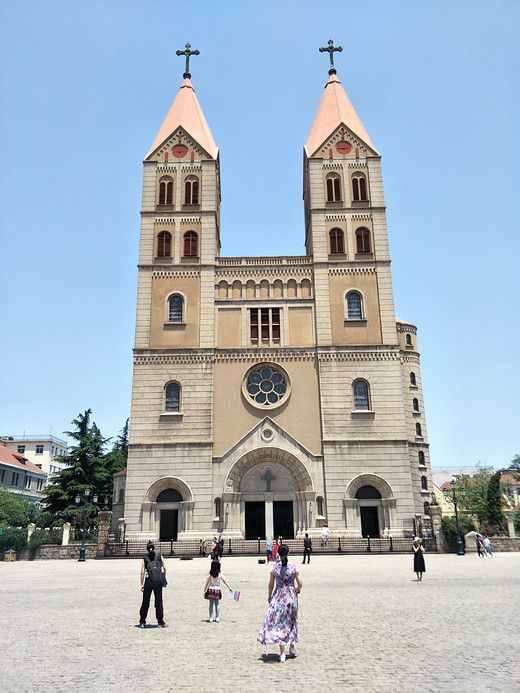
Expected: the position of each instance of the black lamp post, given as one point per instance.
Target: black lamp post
(85, 508)
(460, 545)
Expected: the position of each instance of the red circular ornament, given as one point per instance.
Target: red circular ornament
(343, 147)
(179, 151)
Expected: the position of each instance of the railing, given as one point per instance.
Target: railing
(256, 547)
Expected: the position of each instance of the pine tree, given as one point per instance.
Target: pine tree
(116, 459)
(86, 467)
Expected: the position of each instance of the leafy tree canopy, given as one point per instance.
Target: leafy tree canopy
(88, 466)
(14, 511)
(475, 502)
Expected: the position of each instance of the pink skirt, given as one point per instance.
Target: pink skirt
(213, 593)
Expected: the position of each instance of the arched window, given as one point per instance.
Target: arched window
(336, 241)
(418, 429)
(175, 308)
(415, 404)
(164, 244)
(191, 244)
(354, 305)
(361, 400)
(424, 483)
(191, 191)
(359, 187)
(412, 379)
(421, 458)
(408, 339)
(166, 191)
(363, 240)
(218, 508)
(333, 188)
(173, 397)
(121, 495)
(319, 503)
(426, 506)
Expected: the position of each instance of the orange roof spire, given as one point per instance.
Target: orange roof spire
(334, 110)
(186, 112)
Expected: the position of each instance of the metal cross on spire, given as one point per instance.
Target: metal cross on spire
(187, 53)
(330, 50)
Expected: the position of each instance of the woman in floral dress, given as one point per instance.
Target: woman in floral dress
(281, 619)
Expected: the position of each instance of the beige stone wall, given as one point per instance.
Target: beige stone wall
(166, 335)
(234, 416)
(354, 332)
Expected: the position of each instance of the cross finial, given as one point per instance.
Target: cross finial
(330, 50)
(187, 53)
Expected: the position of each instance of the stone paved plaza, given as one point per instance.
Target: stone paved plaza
(365, 625)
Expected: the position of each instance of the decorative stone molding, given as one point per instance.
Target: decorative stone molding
(358, 356)
(170, 273)
(352, 270)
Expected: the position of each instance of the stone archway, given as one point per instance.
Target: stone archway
(164, 517)
(369, 503)
(266, 493)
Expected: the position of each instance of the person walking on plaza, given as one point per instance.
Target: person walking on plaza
(212, 590)
(214, 549)
(269, 549)
(281, 619)
(418, 559)
(202, 548)
(487, 546)
(307, 548)
(480, 544)
(153, 579)
(276, 548)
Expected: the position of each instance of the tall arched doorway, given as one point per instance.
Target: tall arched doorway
(369, 500)
(369, 507)
(168, 503)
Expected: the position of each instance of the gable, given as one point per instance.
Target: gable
(179, 146)
(343, 144)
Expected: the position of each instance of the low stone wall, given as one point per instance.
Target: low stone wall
(70, 552)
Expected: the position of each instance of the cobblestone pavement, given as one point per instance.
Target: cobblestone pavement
(365, 625)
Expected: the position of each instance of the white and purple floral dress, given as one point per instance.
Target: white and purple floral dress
(281, 619)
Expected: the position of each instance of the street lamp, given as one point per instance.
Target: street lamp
(460, 545)
(85, 508)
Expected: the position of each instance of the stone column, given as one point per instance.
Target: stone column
(353, 522)
(121, 529)
(105, 519)
(269, 516)
(510, 517)
(66, 534)
(30, 529)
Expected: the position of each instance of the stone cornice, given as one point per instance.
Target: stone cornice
(352, 270)
(385, 353)
(169, 273)
(250, 272)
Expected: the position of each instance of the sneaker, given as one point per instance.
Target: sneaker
(282, 658)
(211, 619)
(293, 651)
(217, 620)
(163, 625)
(141, 625)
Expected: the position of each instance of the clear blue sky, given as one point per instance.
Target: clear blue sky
(86, 86)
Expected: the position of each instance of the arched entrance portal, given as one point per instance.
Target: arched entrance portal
(267, 494)
(369, 507)
(168, 503)
(167, 509)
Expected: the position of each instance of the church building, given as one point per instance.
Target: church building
(271, 395)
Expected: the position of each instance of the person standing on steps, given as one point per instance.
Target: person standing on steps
(153, 579)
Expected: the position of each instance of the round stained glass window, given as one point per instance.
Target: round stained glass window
(266, 385)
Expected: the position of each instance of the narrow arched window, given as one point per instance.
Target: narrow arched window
(421, 458)
(412, 379)
(218, 508)
(337, 244)
(418, 429)
(191, 191)
(164, 244)
(359, 187)
(363, 241)
(121, 495)
(333, 188)
(408, 340)
(354, 306)
(175, 308)
(424, 483)
(191, 244)
(173, 397)
(415, 404)
(166, 191)
(361, 400)
(319, 502)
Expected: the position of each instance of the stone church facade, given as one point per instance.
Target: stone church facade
(271, 394)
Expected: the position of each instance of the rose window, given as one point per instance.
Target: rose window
(266, 385)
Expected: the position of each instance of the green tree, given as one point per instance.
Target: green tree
(475, 502)
(495, 514)
(14, 510)
(515, 467)
(86, 467)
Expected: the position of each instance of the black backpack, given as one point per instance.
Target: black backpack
(154, 570)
